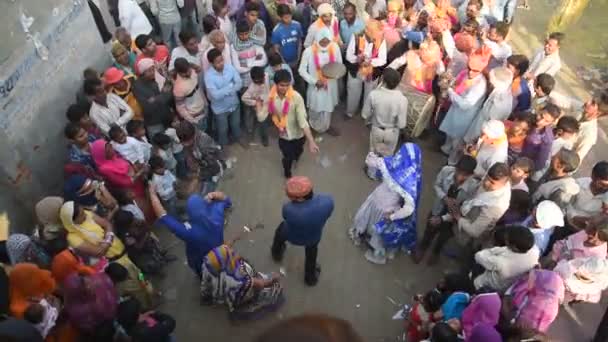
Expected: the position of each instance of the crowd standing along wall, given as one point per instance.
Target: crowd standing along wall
(45, 46)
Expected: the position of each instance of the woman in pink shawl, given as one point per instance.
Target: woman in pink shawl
(483, 308)
(116, 170)
(535, 298)
(89, 300)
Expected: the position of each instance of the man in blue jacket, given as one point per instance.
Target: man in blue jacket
(303, 220)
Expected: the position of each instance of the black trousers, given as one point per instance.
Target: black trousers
(291, 150)
(106, 36)
(279, 246)
(442, 232)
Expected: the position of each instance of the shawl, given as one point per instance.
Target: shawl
(89, 300)
(115, 165)
(484, 332)
(403, 174)
(71, 189)
(27, 280)
(536, 298)
(22, 248)
(240, 45)
(47, 212)
(89, 230)
(483, 309)
(454, 306)
(66, 263)
(223, 258)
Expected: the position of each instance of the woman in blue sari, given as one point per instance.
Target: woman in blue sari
(386, 221)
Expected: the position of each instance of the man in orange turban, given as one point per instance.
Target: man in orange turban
(303, 220)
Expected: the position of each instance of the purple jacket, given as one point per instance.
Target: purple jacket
(537, 147)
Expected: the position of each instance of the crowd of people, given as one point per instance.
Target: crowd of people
(186, 83)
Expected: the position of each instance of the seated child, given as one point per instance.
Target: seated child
(565, 137)
(126, 287)
(142, 247)
(502, 265)
(170, 123)
(520, 171)
(517, 130)
(422, 315)
(163, 148)
(453, 184)
(150, 326)
(558, 185)
(42, 315)
(164, 184)
(254, 98)
(137, 130)
(128, 147)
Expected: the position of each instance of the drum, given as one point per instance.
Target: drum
(333, 70)
(419, 110)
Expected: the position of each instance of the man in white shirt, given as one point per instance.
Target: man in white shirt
(496, 41)
(587, 134)
(133, 18)
(106, 109)
(188, 50)
(546, 60)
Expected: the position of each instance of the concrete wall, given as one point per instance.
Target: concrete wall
(40, 72)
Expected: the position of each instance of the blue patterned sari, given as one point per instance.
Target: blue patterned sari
(403, 173)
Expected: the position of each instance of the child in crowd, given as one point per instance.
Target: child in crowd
(245, 53)
(287, 36)
(128, 147)
(42, 315)
(537, 145)
(162, 147)
(164, 183)
(126, 201)
(254, 98)
(558, 185)
(79, 149)
(502, 265)
(137, 130)
(519, 207)
(452, 185)
(275, 63)
(565, 133)
(139, 289)
(79, 114)
(142, 247)
(150, 326)
(543, 86)
(517, 130)
(520, 171)
(170, 123)
(422, 315)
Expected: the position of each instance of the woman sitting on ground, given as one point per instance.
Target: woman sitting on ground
(230, 279)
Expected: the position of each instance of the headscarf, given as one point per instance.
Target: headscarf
(536, 297)
(402, 172)
(72, 186)
(116, 165)
(483, 309)
(325, 8)
(66, 263)
(144, 64)
(455, 304)
(17, 247)
(494, 129)
(222, 258)
(47, 212)
(321, 34)
(484, 332)
(89, 300)
(26, 281)
(89, 230)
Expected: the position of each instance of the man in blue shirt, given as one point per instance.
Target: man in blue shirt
(351, 24)
(223, 82)
(287, 36)
(303, 220)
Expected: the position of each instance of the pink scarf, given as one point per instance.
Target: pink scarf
(116, 165)
(462, 82)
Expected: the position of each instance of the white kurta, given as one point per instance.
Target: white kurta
(319, 99)
(458, 60)
(488, 155)
(497, 106)
(545, 64)
(464, 108)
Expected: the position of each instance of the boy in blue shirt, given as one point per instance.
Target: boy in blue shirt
(287, 36)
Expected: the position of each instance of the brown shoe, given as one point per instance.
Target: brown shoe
(333, 131)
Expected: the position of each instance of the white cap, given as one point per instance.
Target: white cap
(494, 129)
(549, 215)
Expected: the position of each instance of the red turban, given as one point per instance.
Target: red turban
(298, 187)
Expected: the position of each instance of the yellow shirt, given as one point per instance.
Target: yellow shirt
(297, 119)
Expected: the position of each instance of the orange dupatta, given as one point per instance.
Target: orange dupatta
(279, 119)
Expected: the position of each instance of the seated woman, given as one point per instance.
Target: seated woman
(92, 238)
(205, 229)
(533, 300)
(90, 194)
(89, 301)
(484, 308)
(387, 218)
(230, 279)
(49, 229)
(28, 281)
(22, 248)
(588, 242)
(584, 278)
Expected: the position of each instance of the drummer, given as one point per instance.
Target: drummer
(365, 56)
(322, 95)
